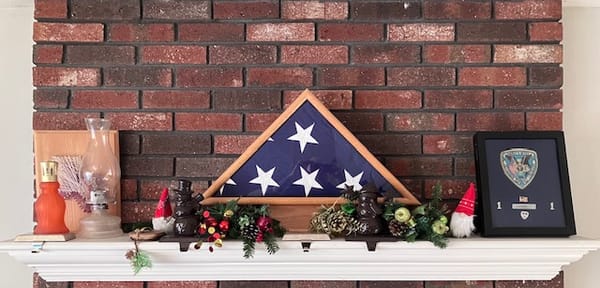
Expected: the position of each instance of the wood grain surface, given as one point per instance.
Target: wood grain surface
(56, 143)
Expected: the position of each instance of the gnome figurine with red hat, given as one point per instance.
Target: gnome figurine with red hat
(163, 220)
(461, 224)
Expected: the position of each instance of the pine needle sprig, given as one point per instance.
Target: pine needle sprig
(249, 247)
(436, 208)
(138, 258)
(271, 243)
(140, 261)
(438, 240)
(436, 195)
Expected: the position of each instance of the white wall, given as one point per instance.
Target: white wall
(582, 129)
(16, 145)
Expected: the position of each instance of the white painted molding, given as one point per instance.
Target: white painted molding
(463, 259)
(581, 3)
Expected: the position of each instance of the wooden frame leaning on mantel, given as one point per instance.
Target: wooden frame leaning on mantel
(306, 96)
(49, 143)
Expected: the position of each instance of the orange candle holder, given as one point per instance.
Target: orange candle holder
(50, 205)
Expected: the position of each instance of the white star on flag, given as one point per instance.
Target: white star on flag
(351, 181)
(230, 182)
(308, 181)
(303, 136)
(264, 179)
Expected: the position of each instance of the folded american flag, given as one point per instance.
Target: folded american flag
(307, 152)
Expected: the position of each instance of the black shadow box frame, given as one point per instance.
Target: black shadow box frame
(523, 184)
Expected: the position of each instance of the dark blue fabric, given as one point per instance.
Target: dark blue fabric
(331, 156)
(543, 190)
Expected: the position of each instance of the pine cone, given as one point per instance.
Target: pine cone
(397, 229)
(314, 224)
(249, 232)
(354, 226)
(322, 220)
(337, 222)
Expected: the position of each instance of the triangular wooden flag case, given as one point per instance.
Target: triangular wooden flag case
(305, 157)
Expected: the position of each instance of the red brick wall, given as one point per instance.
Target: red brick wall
(557, 282)
(190, 83)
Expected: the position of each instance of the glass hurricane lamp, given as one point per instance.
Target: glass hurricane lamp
(100, 174)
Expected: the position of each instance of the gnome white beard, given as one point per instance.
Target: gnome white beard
(461, 225)
(163, 224)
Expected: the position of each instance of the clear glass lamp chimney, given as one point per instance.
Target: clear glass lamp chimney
(100, 173)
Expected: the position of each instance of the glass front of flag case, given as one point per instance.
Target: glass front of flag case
(305, 156)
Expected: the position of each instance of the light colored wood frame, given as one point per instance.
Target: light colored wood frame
(407, 198)
(49, 143)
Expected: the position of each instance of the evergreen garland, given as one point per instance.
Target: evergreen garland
(249, 223)
(431, 221)
(425, 222)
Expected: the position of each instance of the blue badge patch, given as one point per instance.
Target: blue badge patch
(519, 165)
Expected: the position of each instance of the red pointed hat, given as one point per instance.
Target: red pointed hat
(163, 208)
(467, 203)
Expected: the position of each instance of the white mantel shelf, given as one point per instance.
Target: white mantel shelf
(463, 259)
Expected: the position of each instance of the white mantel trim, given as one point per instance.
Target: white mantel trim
(463, 259)
(581, 3)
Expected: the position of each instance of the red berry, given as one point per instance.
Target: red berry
(224, 225)
(264, 223)
(211, 221)
(260, 237)
(205, 214)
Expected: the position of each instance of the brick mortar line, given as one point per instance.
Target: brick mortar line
(302, 65)
(349, 43)
(349, 21)
(287, 89)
